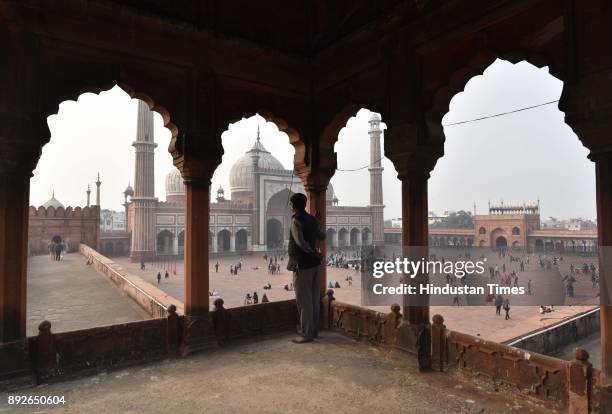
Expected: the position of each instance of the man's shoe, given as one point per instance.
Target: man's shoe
(301, 340)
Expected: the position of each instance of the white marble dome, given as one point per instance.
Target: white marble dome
(53, 202)
(241, 173)
(174, 183)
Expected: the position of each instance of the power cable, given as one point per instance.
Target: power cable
(460, 123)
(500, 114)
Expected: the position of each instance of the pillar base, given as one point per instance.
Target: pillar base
(198, 335)
(415, 340)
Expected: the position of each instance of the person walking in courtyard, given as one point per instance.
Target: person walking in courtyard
(142, 265)
(529, 287)
(217, 267)
(166, 275)
(507, 308)
(255, 298)
(305, 263)
(158, 278)
(58, 251)
(499, 301)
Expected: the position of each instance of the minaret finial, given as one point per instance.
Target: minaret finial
(257, 131)
(53, 194)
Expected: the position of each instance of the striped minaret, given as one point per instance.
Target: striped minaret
(144, 201)
(376, 187)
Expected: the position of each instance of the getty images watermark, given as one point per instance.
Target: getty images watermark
(459, 269)
(471, 276)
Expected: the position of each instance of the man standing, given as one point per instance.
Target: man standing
(305, 263)
(499, 301)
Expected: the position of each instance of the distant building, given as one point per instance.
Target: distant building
(52, 222)
(579, 224)
(516, 227)
(112, 220)
(433, 218)
(396, 223)
(256, 216)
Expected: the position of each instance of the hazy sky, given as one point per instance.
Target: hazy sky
(514, 158)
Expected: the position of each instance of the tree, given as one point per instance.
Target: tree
(456, 220)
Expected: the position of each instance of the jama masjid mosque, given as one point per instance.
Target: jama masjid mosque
(255, 217)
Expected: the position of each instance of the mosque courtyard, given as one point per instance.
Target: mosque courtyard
(74, 296)
(474, 320)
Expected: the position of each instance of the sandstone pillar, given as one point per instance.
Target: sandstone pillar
(603, 174)
(316, 206)
(414, 157)
(197, 200)
(14, 199)
(233, 242)
(415, 238)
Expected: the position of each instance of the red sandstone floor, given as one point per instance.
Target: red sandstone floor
(475, 320)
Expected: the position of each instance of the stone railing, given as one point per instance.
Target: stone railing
(550, 340)
(153, 300)
(571, 386)
(50, 355)
(567, 385)
(375, 327)
(245, 321)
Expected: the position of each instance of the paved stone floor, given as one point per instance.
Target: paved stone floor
(74, 296)
(334, 375)
(474, 320)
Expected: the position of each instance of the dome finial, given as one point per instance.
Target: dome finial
(258, 132)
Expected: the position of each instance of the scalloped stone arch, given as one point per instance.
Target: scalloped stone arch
(76, 92)
(331, 131)
(476, 66)
(332, 128)
(295, 139)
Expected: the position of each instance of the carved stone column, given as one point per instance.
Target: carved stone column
(603, 174)
(197, 168)
(587, 103)
(315, 185)
(413, 162)
(415, 238)
(14, 200)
